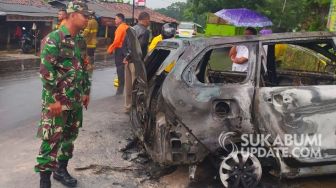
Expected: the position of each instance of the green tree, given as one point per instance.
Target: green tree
(287, 15)
(175, 10)
(309, 15)
(183, 11)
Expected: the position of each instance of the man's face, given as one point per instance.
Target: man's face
(80, 20)
(61, 15)
(118, 21)
(146, 22)
(248, 32)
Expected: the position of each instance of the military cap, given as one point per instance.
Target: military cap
(78, 6)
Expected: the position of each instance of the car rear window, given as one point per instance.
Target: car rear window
(186, 26)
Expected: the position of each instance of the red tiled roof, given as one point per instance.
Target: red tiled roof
(126, 9)
(35, 3)
(123, 8)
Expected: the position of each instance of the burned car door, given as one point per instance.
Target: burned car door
(295, 100)
(136, 56)
(207, 97)
(146, 89)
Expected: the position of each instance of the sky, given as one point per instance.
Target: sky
(161, 3)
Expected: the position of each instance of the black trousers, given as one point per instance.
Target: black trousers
(91, 52)
(121, 78)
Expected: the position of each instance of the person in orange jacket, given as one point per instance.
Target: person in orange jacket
(62, 16)
(119, 48)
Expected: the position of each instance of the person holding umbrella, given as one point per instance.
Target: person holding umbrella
(239, 54)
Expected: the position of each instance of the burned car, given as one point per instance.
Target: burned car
(188, 104)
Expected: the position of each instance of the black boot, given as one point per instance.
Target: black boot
(45, 179)
(62, 175)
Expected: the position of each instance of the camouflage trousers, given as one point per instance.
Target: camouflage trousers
(58, 135)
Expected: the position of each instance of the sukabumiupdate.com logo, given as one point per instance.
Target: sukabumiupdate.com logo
(266, 145)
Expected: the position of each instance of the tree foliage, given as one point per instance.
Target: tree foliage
(183, 11)
(175, 10)
(286, 15)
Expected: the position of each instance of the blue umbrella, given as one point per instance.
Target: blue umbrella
(243, 17)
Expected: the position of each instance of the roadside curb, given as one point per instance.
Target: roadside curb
(16, 65)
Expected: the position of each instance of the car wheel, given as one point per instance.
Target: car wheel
(240, 169)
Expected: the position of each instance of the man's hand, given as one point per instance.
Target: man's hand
(125, 61)
(87, 60)
(110, 50)
(55, 108)
(240, 60)
(86, 100)
(233, 58)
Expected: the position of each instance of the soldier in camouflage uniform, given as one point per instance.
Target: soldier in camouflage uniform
(66, 88)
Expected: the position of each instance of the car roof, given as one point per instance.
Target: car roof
(272, 38)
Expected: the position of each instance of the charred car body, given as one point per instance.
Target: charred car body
(189, 104)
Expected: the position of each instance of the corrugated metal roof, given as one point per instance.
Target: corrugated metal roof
(23, 9)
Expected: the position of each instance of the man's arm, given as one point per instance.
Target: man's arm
(233, 51)
(87, 30)
(154, 43)
(144, 40)
(117, 42)
(243, 53)
(87, 81)
(53, 97)
(240, 60)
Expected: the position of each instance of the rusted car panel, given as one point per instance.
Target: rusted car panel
(180, 116)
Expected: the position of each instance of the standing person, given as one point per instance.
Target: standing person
(119, 46)
(240, 54)
(18, 34)
(62, 16)
(167, 31)
(142, 34)
(90, 35)
(66, 88)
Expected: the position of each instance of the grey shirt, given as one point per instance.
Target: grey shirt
(142, 34)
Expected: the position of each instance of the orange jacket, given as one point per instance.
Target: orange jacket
(119, 37)
(60, 24)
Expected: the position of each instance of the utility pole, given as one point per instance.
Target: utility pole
(133, 23)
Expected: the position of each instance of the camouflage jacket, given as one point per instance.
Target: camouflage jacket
(63, 72)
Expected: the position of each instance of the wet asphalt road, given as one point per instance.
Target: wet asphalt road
(20, 95)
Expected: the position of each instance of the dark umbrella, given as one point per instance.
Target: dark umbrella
(243, 17)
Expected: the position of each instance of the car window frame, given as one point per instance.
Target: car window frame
(285, 41)
(250, 77)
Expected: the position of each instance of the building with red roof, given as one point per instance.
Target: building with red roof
(23, 13)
